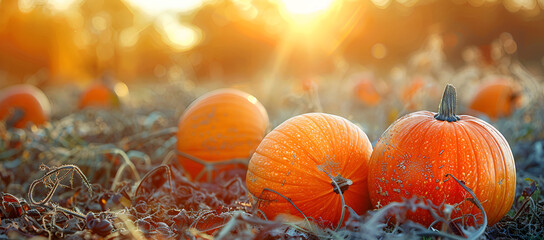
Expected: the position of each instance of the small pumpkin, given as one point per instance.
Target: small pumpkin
(221, 125)
(297, 160)
(410, 91)
(100, 95)
(366, 92)
(415, 153)
(497, 98)
(309, 84)
(23, 104)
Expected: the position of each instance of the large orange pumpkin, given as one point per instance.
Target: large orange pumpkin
(221, 125)
(298, 158)
(23, 104)
(415, 153)
(496, 99)
(366, 92)
(99, 95)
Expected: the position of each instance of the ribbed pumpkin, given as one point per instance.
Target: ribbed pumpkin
(293, 160)
(23, 104)
(415, 153)
(366, 92)
(220, 125)
(498, 98)
(99, 95)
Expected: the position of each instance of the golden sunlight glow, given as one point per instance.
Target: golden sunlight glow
(129, 36)
(121, 89)
(381, 3)
(379, 51)
(26, 5)
(306, 6)
(158, 7)
(252, 99)
(180, 36)
(61, 5)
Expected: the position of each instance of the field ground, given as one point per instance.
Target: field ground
(113, 149)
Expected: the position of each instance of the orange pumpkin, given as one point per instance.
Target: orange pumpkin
(309, 84)
(496, 99)
(366, 92)
(415, 153)
(411, 91)
(23, 104)
(221, 125)
(297, 160)
(99, 95)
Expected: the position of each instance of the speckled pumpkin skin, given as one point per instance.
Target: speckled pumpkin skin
(415, 153)
(290, 160)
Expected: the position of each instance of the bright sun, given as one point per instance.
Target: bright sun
(303, 7)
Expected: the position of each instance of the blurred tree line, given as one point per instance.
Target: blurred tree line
(241, 40)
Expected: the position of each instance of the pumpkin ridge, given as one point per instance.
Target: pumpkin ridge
(427, 127)
(476, 154)
(442, 161)
(412, 128)
(457, 159)
(286, 163)
(360, 141)
(302, 132)
(304, 199)
(314, 198)
(268, 158)
(331, 202)
(332, 141)
(474, 182)
(496, 171)
(431, 130)
(493, 162)
(503, 158)
(279, 181)
(291, 147)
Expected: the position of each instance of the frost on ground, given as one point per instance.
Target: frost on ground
(114, 174)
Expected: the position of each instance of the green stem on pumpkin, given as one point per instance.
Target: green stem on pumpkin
(447, 107)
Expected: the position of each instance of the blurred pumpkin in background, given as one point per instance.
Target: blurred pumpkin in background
(497, 98)
(23, 104)
(103, 95)
(365, 91)
(299, 160)
(410, 92)
(309, 84)
(221, 125)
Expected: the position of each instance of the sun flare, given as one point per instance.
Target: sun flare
(156, 8)
(303, 7)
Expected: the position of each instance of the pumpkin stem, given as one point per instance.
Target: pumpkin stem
(343, 184)
(447, 107)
